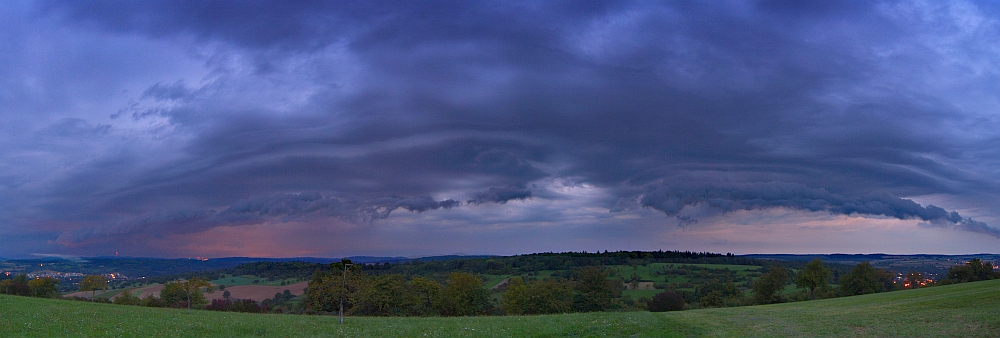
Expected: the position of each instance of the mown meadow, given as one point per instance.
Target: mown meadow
(960, 310)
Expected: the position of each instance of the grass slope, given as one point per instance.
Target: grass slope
(964, 310)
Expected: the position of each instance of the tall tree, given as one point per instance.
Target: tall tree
(192, 287)
(814, 276)
(537, 297)
(186, 293)
(464, 295)
(17, 286)
(330, 288)
(974, 270)
(44, 287)
(515, 298)
(548, 296)
(385, 295)
(766, 288)
(93, 283)
(594, 291)
(864, 279)
(428, 294)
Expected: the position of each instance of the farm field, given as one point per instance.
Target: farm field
(250, 280)
(257, 292)
(962, 310)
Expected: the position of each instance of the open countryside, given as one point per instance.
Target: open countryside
(499, 168)
(614, 290)
(961, 310)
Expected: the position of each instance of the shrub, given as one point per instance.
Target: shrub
(127, 298)
(666, 301)
(151, 301)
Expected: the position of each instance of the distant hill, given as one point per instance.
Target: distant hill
(137, 267)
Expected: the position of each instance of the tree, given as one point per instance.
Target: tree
(428, 296)
(187, 293)
(974, 270)
(864, 279)
(594, 291)
(814, 276)
(537, 297)
(17, 286)
(766, 288)
(515, 297)
(322, 292)
(44, 287)
(983, 270)
(715, 294)
(191, 289)
(172, 295)
(385, 295)
(549, 296)
(330, 288)
(464, 295)
(93, 283)
(665, 301)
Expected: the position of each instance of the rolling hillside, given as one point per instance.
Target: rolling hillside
(963, 310)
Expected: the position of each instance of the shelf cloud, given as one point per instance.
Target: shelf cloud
(495, 126)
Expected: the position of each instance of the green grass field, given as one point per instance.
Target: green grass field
(229, 280)
(963, 310)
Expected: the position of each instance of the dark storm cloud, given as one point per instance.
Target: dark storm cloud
(281, 208)
(292, 205)
(671, 200)
(501, 195)
(841, 107)
(255, 24)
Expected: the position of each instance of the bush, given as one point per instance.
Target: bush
(666, 301)
(127, 298)
(151, 301)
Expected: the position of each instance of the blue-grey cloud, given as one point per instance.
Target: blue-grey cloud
(142, 118)
(501, 195)
(280, 208)
(672, 199)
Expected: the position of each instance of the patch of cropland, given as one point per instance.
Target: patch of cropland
(960, 310)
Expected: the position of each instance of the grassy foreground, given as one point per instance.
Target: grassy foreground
(963, 310)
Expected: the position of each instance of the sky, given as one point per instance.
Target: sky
(191, 128)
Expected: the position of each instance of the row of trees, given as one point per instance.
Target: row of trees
(587, 289)
(393, 295)
(462, 294)
(20, 285)
(863, 278)
(974, 270)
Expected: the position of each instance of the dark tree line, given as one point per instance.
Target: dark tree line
(974, 270)
(21, 285)
(460, 294)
